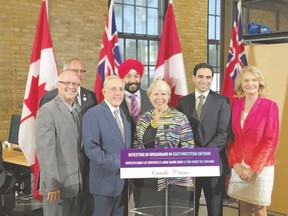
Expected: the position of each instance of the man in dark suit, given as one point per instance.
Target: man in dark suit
(209, 115)
(86, 99)
(131, 72)
(106, 130)
(58, 148)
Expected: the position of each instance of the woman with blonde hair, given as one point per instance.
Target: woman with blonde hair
(162, 127)
(255, 125)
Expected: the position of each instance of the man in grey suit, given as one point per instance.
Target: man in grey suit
(131, 72)
(58, 148)
(86, 99)
(209, 115)
(106, 130)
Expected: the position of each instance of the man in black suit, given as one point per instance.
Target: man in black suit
(131, 72)
(86, 99)
(211, 128)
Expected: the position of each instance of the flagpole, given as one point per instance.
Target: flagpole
(47, 10)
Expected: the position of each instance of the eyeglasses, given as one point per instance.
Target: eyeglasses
(69, 83)
(77, 70)
(114, 89)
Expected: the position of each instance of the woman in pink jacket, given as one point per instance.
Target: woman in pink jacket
(255, 125)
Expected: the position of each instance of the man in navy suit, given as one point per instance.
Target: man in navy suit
(211, 128)
(106, 130)
(86, 99)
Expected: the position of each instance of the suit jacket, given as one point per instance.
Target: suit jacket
(88, 98)
(103, 142)
(213, 128)
(257, 141)
(178, 135)
(145, 102)
(58, 148)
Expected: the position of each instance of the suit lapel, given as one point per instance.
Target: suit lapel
(67, 115)
(251, 113)
(110, 117)
(127, 129)
(192, 103)
(145, 102)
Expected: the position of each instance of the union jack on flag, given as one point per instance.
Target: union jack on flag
(110, 57)
(236, 56)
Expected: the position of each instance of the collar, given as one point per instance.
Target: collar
(112, 108)
(197, 94)
(127, 94)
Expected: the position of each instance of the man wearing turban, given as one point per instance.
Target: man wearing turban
(136, 99)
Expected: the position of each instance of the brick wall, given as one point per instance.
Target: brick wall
(191, 21)
(76, 28)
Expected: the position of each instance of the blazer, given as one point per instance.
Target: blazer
(213, 128)
(145, 102)
(88, 98)
(174, 131)
(58, 148)
(103, 142)
(257, 141)
(178, 134)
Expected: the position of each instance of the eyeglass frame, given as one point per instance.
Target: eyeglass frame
(67, 83)
(76, 70)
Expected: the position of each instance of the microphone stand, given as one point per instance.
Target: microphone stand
(166, 127)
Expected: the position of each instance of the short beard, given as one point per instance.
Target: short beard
(134, 83)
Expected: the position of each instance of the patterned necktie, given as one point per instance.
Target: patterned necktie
(117, 118)
(134, 107)
(200, 105)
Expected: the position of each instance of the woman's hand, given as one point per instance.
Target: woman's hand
(239, 168)
(248, 174)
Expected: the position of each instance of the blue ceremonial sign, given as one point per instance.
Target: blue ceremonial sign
(180, 162)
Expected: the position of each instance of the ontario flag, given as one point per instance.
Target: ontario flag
(110, 57)
(236, 56)
(42, 77)
(170, 64)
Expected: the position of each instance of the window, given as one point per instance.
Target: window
(214, 41)
(139, 25)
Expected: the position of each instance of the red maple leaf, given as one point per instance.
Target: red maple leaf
(35, 94)
(174, 98)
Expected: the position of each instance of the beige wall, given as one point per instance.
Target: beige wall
(272, 60)
(76, 28)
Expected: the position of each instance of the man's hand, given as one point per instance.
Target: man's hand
(53, 195)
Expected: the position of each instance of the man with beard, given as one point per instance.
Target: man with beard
(136, 102)
(136, 99)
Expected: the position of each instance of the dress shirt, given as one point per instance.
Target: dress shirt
(128, 100)
(112, 109)
(197, 94)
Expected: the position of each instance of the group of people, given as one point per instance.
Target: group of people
(80, 157)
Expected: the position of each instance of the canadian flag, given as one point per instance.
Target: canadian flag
(42, 77)
(170, 64)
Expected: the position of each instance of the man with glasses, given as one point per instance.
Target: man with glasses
(106, 130)
(86, 99)
(58, 148)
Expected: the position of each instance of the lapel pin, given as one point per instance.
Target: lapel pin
(84, 98)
